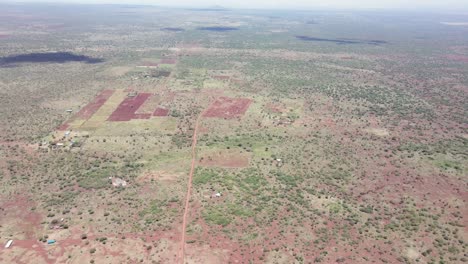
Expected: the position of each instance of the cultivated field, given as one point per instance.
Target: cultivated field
(136, 134)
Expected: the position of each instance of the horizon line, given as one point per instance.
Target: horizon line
(228, 8)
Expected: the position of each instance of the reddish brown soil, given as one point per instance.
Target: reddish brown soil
(460, 58)
(225, 107)
(222, 77)
(63, 127)
(90, 109)
(133, 248)
(20, 208)
(4, 35)
(127, 108)
(160, 112)
(274, 108)
(168, 61)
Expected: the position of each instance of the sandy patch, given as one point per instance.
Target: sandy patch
(225, 159)
(61, 104)
(412, 253)
(158, 176)
(275, 257)
(196, 254)
(117, 71)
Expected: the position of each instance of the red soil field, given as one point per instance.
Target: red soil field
(461, 58)
(160, 112)
(63, 127)
(225, 107)
(127, 108)
(168, 61)
(3, 35)
(91, 108)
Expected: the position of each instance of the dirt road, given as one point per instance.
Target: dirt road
(189, 189)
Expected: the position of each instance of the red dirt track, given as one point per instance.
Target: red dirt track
(181, 255)
(225, 107)
(127, 108)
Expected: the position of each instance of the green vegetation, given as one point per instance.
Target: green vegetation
(216, 216)
(355, 138)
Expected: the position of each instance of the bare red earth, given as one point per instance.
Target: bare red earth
(20, 207)
(460, 58)
(91, 108)
(63, 127)
(225, 107)
(160, 112)
(127, 108)
(221, 77)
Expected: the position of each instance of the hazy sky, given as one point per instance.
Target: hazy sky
(354, 4)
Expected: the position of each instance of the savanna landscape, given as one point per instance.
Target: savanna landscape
(143, 134)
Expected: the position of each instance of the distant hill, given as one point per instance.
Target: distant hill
(216, 8)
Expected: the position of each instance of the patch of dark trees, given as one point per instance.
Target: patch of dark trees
(218, 28)
(342, 41)
(48, 57)
(158, 74)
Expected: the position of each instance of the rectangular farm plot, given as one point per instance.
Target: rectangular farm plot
(126, 110)
(161, 112)
(225, 107)
(88, 111)
(105, 111)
